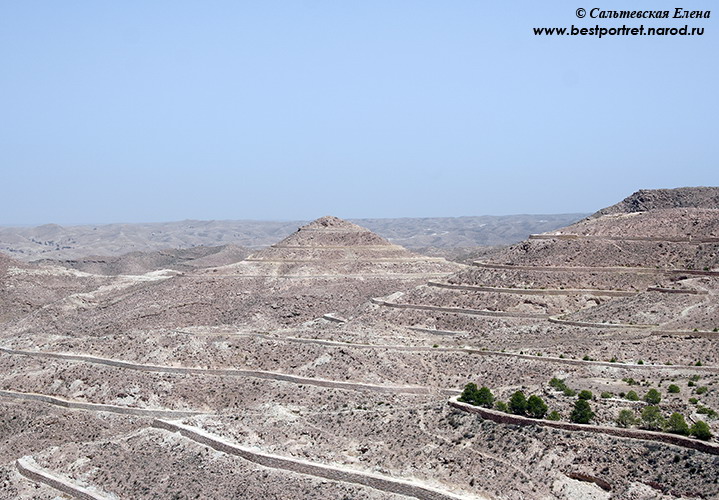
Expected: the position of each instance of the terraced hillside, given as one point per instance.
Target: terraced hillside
(326, 267)
(144, 393)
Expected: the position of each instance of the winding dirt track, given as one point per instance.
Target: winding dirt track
(587, 324)
(457, 310)
(81, 405)
(465, 350)
(595, 269)
(334, 473)
(229, 372)
(535, 291)
(597, 237)
(40, 475)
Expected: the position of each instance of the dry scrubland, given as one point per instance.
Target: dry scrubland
(322, 366)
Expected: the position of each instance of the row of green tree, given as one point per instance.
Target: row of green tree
(651, 418)
(519, 404)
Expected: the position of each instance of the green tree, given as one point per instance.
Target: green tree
(626, 418)
(582, 412)
(585, 395)
(673, 389)
(677, 425)
(484, 397)
(652, 418)
(469, 394)
(518, 403)
(536, 407)
(701, 430)
(632, 396)
(653, 397)
(554, 415)
(501, 406)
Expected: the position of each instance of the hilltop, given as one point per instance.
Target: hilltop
(659, 199)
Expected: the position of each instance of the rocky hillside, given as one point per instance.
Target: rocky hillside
(658, 199)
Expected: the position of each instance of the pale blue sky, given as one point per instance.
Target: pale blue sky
(165, 110)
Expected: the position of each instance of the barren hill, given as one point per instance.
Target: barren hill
(657, 199)
(327, 266)
(231, 382)
(180, 259)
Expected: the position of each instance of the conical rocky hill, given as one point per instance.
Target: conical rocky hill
(330, 245)
(327, 267)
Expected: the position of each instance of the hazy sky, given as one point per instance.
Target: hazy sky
(131, 111)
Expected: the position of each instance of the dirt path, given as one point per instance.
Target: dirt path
(28, 468)
(81, 405)
(229, 372)
(408, 488)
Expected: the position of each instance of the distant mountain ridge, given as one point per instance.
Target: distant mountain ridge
(51, 241)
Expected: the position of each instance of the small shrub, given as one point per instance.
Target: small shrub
(606, 395)
(652, 418)
(553, 415)
(700, 430)
(501, 406)
(518, 403)
(613, 360)
(477, 397)
(469, 393)
(626, 418)
(556, 383)
(706, 411)
(673, 389)
(640, 362)
(585, 395)
(586, 358)
(536, 407)
(701, 390)
(560, 385)
(632, 396)
(677, 425)
(698, 363)
(484, 398)
(582, 412)
(653, 397)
